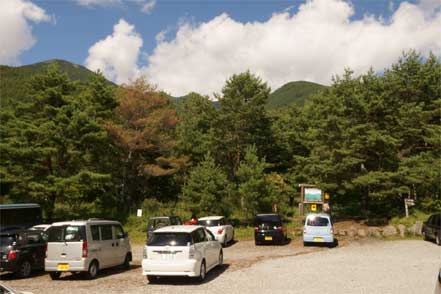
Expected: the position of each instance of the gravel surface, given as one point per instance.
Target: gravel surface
(368, 266)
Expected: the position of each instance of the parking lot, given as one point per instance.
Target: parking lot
(367, 266)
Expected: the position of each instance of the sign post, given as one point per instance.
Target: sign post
(407, 203)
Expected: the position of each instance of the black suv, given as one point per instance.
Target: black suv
(268, 228)
(432, 228)
(160, 222)
(22, 251)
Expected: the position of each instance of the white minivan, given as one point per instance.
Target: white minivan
(184, 250)
(86, 246)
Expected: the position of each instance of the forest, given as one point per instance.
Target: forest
(95, 149)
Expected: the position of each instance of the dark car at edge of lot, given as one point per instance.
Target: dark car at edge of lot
(22, 251)
(268, 228)
(432, 228)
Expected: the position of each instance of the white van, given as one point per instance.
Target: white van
(86, 246)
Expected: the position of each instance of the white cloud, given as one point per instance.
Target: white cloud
(15, 29)
(148, 6)
(117, 54)
(312, 44)
(318, 41)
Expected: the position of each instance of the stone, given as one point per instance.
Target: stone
(389, 231)
(402, 230)
(342, 232)
(418, 228)
(374, 232)
(361, 233)
(351, 233)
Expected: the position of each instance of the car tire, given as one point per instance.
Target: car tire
(305, 244)
(93, 270)
(202, 271)
(152, 279)
(55, 275)
(221, 258)
(24, 269)
(126, 264)
(257, 243)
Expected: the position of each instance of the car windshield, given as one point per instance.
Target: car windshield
(268, 221)
(317, 221)
(157, 223)
(7, 240)
(170, 239)
(67, 234)
(209, 222)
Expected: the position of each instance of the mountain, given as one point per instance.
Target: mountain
(13, 80)
(293, 92)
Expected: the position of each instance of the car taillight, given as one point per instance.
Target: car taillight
(304, 231)
(280, 228)
(12, 255)
(220, 231)
(144, 253)
(332, 231)
(256, 229)
(84, 249)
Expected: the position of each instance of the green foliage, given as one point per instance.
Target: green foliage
(252, 188)
(241, 120)
(293, 93)
(51, 146)
(206, 190)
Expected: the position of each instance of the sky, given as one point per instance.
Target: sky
(183, 46)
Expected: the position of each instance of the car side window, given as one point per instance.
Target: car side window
(34, 238)
(199, 236)
(106, 232)
(209, 235)
(95, 232)
(119, 232)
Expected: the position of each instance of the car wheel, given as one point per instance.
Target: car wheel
(438, 239)
(93, 270)
(126, 263)
(305, 244)
(55, 275)
(152, 279)
(203, 271)
(24, 269)
(221, 258)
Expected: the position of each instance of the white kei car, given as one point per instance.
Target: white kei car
(181, 251)
(222, 231)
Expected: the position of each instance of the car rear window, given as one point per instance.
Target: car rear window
(170, 239)
(209, 223)
(317, 221)
(67, 234)
(268, 221)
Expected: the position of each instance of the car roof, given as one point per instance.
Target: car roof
(318, 214)
(213, 217)
(178, 229)
(14, 232)
(84, 222)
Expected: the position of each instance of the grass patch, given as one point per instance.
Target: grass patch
(416, 215)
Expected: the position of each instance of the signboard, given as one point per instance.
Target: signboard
(313, 207)
(139, 212)
(313, 195)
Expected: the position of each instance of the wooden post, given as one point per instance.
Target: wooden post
(406, 208)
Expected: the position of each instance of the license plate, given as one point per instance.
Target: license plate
(268, 238)
(63, 267)
(167, 256)
(318, 239)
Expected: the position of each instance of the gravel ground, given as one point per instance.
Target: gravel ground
(369, 266)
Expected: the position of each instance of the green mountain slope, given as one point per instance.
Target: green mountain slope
(13, 80)
(293, 92)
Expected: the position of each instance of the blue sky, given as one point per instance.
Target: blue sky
(184, 46)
